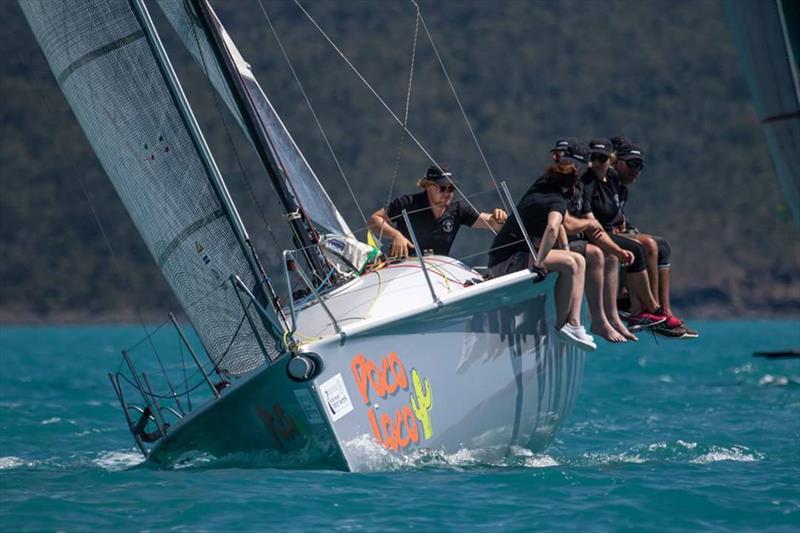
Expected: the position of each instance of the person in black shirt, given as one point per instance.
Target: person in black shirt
(606, 191)
(603, 256)
(434, 216)
(626, 169)
(542, 210)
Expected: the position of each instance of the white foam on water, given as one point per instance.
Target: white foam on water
(53, 420)
(541, 461)
(719, 453)
(119, 460)
(657, 446)
(687, 445)
(614, 458)
(10, 462)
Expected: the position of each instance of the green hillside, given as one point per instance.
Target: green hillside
(663, 72)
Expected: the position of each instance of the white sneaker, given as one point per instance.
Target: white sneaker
(577, 336)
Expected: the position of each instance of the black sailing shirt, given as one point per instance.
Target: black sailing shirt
(432, 233)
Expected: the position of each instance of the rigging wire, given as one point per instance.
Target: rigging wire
(405, 117)
(381, 100)
(313, 112)
(458, 101)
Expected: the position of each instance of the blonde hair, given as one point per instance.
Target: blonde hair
(422, 183)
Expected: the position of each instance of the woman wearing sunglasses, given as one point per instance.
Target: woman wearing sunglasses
(606, 203)
(435, 217)
(542, 211)
(626, 169)
(603, 257)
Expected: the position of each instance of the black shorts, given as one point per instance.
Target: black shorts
(664, 249)
(513, 263)
(578, 246)
(633, 246)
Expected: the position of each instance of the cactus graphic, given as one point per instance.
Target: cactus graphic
(422, 401)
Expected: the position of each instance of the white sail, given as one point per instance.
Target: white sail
(298, 174)
(761, 32)
(108, 70)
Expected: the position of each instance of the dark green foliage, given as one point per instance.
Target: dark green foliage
(662, 72)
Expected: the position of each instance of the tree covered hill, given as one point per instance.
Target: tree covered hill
(527, 71)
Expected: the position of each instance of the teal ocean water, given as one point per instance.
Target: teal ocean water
(667, 436)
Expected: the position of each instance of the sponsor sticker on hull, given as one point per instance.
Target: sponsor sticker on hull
(306, 401)
(334, 394)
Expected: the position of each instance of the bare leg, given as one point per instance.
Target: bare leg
(639, 286)
(651, 262)
(663, 290)
(571, 268)
(595, 262)
(612, 279)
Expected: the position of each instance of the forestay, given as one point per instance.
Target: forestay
(298, 174)
(109, 72)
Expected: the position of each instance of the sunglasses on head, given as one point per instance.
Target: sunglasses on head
(599, 157)
(634, 164)
(446, 188)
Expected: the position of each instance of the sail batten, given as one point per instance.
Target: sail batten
(117, 89)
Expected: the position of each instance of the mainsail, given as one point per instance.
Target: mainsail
(296, 171)
(768, 39)
(106, 61)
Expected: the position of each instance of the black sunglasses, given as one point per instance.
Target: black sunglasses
(634, 164)
(599, 157)
(446, 188)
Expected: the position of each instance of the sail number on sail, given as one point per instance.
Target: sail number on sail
(385, 378)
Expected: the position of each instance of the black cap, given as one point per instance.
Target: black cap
(437, 174)
(627, 149)
(600, 146)
(563, 143)
(574, 151)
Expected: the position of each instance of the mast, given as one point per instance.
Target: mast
(265, 288)
(304, 233)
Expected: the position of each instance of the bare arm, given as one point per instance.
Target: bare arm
(381, 226)
(554, 219)
(563, 241)
(493, 220)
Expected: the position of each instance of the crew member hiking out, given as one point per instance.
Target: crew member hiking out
(542, 210)
(435, 217)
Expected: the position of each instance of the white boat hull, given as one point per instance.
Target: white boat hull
(480, 370)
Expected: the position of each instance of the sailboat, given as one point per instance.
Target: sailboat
(420, 355)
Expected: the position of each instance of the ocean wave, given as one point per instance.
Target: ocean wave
(115, 461)
(778, 381)
(735, 453)
(12, 462)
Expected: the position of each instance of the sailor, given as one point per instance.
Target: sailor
(542, 210)
(603, 256)
(625, 170)
(435, 216)
(606, 207)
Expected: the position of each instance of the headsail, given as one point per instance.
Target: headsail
(296, 171)
(105, 62)
(768, 39)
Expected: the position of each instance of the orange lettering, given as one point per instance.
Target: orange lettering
(390, 439)
(360, 374)
(373, 421)
(399, 370)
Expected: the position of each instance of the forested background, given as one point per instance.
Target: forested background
(662, 72)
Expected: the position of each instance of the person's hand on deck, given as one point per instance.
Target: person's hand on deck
(400, 246)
